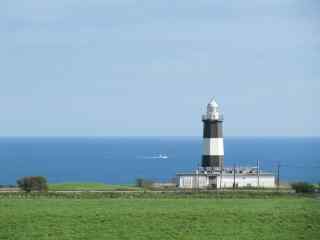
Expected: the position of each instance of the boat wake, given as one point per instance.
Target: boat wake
(160, 156)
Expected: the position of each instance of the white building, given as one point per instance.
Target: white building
(241, 177)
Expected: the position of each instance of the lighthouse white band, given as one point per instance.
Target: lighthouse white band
(213, 147)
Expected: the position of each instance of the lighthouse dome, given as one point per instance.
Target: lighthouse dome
(213, 103)
(213, 112)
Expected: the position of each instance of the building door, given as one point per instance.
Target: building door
(213, 181)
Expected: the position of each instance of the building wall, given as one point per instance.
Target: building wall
(246, 181)
(193, 181)
(202, 181)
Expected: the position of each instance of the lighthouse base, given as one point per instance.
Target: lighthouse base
(212, 161)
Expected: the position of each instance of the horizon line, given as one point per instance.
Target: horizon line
(156, 136)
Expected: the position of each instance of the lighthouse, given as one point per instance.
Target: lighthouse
(212, 173)
(213, 148)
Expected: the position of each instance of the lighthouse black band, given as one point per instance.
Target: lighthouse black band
(212, 161)
(212, 129)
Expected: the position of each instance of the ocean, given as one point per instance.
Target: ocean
(121, 160)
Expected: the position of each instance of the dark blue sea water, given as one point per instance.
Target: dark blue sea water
(122, 160)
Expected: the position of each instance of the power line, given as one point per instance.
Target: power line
(300, 166)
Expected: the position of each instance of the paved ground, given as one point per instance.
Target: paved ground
(13, 190)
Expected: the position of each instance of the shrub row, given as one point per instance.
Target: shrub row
(146, 194)
(303, 187)
(33, 183)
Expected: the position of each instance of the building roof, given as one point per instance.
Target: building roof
(224, 173)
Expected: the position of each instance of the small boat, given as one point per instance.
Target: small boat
(161, 156)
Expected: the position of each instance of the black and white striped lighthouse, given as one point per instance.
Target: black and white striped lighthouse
(213, 149)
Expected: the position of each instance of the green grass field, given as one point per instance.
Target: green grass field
(89, 186)
(47, 218)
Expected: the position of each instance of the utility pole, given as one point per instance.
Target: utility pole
(278, 176)
(234, 176)
(198, 184)
(258, 173)
(220, 178)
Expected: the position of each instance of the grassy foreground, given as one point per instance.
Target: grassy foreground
(47, 218)
(90, 186)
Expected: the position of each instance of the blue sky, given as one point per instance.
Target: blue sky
(148, 68)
